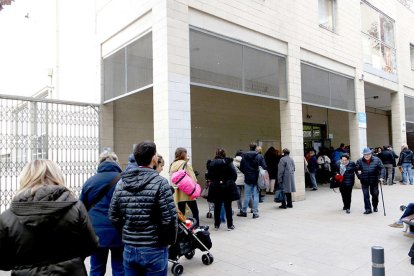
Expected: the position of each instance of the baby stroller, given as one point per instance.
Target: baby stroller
(189, 238)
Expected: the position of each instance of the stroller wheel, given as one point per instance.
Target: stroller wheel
(209, 215)
(190, 255)
(177, 269)
(207, 259)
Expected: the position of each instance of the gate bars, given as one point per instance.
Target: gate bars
(32, 128)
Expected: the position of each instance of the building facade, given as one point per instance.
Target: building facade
(291, 74)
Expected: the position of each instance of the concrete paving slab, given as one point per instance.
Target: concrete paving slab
(315, 237)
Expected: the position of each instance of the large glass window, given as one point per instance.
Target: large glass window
(378, 39)
(226, 64)
(114, 75)
(139, 63)
(128, 69)
(325, 88)
(327, 14)
(409, 109)
(215, 61)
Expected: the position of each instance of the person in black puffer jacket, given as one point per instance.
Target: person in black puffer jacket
(347, 169)
(46, 231)
(370, 171)
(142, 206)
(222, 174)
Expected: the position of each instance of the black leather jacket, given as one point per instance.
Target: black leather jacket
(46, 233)
(143, 207)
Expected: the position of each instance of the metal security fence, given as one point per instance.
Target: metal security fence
(31, 128)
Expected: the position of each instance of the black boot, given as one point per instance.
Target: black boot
(289, 200)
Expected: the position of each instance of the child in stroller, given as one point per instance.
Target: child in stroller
(189, 238)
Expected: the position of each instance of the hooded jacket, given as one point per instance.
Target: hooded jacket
(249, 165)
(46, 233)
(132, 164)
(223, 175)
(108, 235)
(143, 207)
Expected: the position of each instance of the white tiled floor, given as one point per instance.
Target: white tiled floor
(314, 238)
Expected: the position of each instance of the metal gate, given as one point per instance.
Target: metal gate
(31, 128)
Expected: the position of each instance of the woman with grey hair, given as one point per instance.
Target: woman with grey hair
(96, 195)
(286, 178)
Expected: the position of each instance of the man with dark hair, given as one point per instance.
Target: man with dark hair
(143, 208)
(337, 154)
(387, 158)
(249, 166)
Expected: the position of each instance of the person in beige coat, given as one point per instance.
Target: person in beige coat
(181, 162)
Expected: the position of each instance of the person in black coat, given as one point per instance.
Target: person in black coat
(388, 159)
(222, 174)
(344, 172)
(272, 158)
(46, 231)
(370, 171)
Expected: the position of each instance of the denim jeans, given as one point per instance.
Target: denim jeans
(99, 259)
(409, 210)
(313, 180)
(251, 191)
(145, 261)
(407, 171)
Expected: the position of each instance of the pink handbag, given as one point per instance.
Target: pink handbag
(185, 183)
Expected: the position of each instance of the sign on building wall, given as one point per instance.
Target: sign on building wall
(362, 120)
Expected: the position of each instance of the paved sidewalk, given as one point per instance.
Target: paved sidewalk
(314, 238)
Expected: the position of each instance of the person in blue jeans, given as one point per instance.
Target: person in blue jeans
(405, 162)
(96, 196)
(249, 166)
(143, 208)
(312, 168)
(409, 210)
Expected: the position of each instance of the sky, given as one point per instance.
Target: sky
(26, 46)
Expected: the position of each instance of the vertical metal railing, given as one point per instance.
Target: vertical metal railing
(31, 128)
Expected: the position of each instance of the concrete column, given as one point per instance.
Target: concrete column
(291, 123)
(171, 73)
(357, 127)
(398, 128)
(106, 129)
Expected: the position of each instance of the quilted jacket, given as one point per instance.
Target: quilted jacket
(142, 206)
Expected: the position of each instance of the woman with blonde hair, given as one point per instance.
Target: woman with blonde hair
(181, 162)
(46, 231)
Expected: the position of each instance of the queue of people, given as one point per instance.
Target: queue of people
(133, 214)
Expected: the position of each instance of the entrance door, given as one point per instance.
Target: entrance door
(314, 136)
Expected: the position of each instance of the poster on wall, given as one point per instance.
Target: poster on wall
(362, 120)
